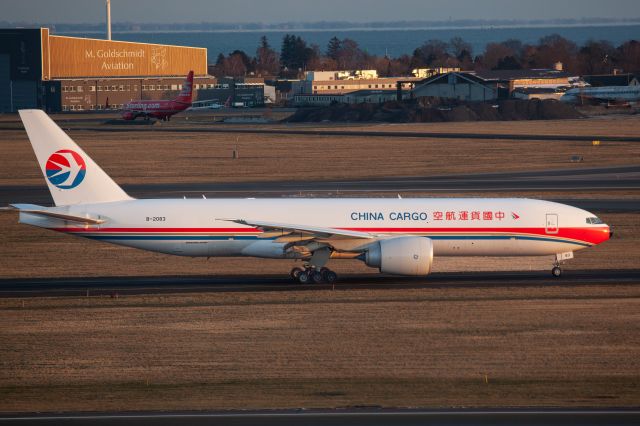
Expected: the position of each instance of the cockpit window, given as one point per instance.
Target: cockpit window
(594, 221)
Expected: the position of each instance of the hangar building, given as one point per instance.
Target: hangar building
(59, 73)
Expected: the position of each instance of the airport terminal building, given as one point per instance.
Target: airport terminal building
(59, 73)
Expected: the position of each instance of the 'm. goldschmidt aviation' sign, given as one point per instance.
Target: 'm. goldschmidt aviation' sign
(79, 57)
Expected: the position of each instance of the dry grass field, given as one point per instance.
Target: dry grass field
(164, 157)
(456, 347)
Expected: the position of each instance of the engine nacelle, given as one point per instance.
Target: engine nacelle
(401, 256)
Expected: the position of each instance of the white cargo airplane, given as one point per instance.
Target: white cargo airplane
(397, 236)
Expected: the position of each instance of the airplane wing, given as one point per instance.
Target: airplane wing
(43, 211)
(314, 231)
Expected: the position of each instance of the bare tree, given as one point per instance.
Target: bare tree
(596, 57)
(493, 54)
(555, 48)
(628, 55)
(267, 61)
(433, 53)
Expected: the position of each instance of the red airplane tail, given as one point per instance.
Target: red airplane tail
(186, 93)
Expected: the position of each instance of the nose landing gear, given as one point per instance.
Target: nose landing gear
(556, 271)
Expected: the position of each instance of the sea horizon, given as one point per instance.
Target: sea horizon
(379, 41)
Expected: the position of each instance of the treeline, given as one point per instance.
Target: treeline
(296, 56)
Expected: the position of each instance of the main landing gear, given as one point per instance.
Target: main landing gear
(314, 270)
(311, 275)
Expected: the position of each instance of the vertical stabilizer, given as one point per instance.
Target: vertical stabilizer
(71, 175)
(186, 93)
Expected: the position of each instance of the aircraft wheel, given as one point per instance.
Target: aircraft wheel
(295, 272)
(303, 277)
(556, 271)
(316, 277)
(330, 276)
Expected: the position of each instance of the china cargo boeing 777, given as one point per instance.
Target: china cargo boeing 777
(161, 109)
(397, 236)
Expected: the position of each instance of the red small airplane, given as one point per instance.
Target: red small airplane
(160, 109)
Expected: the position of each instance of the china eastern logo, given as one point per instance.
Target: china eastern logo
(65, 169)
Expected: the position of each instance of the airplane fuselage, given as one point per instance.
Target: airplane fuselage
(456, 226)
(602, 94)
(157, 109)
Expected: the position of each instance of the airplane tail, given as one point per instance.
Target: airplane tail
(185, 95)
(71, 175)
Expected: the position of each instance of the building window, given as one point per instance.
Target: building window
(113, 88)
(92, 88)
(79, 88)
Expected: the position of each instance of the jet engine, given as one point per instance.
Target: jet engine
(401, 255)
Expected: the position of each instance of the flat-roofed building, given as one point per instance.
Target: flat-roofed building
(59, 73)
(357, 97)
(341, 75)
(326, 87)
(609, 80)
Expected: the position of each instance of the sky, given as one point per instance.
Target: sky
(275, 11)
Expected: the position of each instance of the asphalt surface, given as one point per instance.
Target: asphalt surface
(301, 129)
(332, 131)
(94, 286)
(596, 179)
(525, 417)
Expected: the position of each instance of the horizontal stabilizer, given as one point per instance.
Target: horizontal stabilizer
(43, 211)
